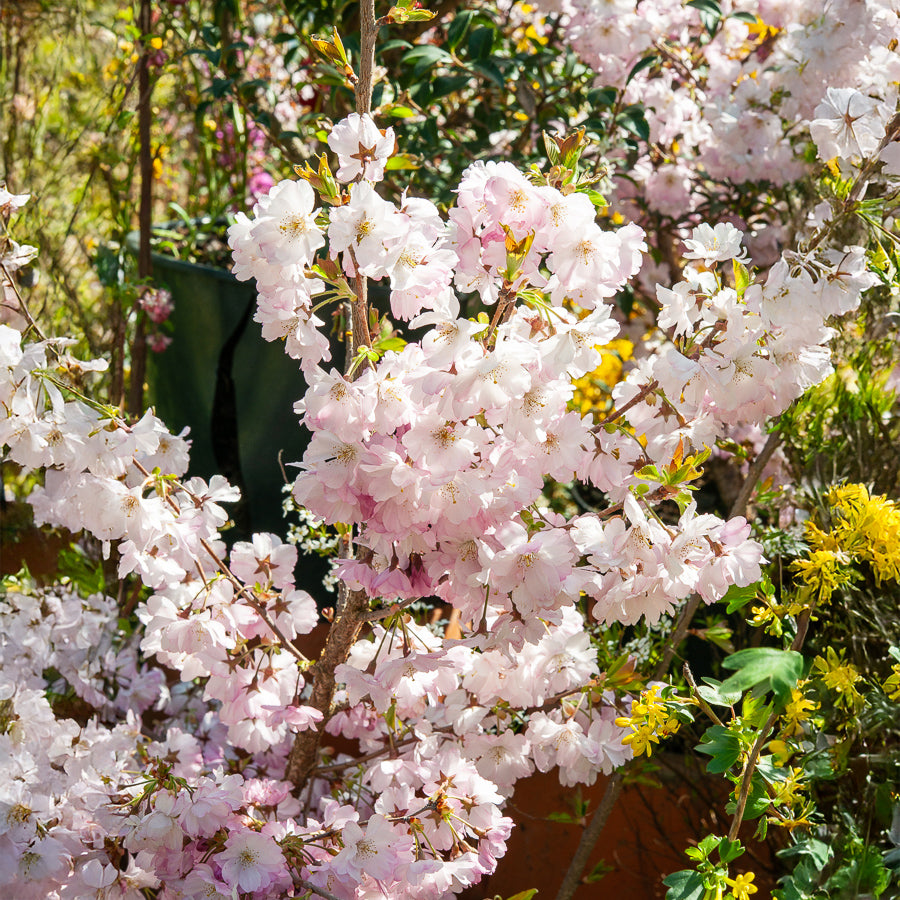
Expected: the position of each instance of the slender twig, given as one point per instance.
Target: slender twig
(23, 308)
(368, 33)
(241, 590)
(145, 212)
(359, 760)
(615, 414)
(377, 614)
(739, 507)
(695, 693)
(317, 890)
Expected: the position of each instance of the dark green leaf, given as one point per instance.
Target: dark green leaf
(815, 850)
(108, 266)
(395, 44)
(490, 71)
(710, 14)
(447, 84)
(458, 27)
(640, 65)
(632, 119)
(481, 41)
(423, 57)
(708, 6)
(602, 97)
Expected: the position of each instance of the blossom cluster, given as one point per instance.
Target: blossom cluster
(432, 454)
(738, 104)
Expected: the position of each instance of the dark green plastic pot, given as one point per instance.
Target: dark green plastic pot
(233, 389)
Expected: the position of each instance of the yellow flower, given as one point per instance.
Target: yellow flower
(650, 719)
(868, 527)
(842, 678)
(781, 751)
(592, 391)
(824, 572)
(788, 792)
(742, 886)
(892, 685)
(797, 712)
(641, 741)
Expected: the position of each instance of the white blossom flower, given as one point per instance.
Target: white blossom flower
(846, 125)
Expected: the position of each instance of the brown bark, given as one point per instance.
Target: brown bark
(341, 637)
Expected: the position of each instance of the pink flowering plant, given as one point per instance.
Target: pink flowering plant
(182, 739)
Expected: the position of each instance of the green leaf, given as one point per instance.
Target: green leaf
(391, 343)
(458, 27)
(710, 7)
(738, 597)
(632, 119)
(640, 65)
(722, 745)
(684, 885)
(710, 13)
(602, 97)
(481, 40)
(864, 875)
(108, 265)
(712, 693)
(490, 71)
(448, 84)
(395, 44)
(758, 800)
(402, 161)
(730, 850)
(742, 16)
(524, 895)
(423, 57)
(600, 871)
(400, 15)
(779, 670)
(815, 850)
(564, 817)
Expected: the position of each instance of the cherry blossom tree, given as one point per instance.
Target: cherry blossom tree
(429, 453)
